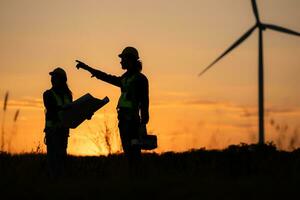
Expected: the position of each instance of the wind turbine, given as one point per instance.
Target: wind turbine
(261, 27)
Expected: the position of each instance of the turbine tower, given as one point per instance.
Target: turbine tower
(261, 27)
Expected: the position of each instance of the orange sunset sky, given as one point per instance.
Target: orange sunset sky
(176, 39)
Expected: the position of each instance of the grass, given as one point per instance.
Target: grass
(3, 121)
(105, 138)
(6, 140)
(237, 172)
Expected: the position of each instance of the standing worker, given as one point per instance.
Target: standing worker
(56, 136)
(133, 104)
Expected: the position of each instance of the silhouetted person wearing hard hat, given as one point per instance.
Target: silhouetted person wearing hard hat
(56, 136)
(133, 104)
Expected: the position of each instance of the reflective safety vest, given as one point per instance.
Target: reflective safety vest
(128, 98)
(59, 102)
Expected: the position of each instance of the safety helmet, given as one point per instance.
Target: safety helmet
(60, 73)
(130, 52)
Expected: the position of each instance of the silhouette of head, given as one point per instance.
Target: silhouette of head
(58, 77)
(130, 52)
(129, 58)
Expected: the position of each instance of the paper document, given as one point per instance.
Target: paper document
(81, 109)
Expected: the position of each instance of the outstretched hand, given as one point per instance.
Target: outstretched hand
(85, 66)
(80, 64)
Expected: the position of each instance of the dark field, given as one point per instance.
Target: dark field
(238, 172)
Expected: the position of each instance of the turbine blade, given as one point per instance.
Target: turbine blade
(233, 46)
(255, 10)
(281, 29)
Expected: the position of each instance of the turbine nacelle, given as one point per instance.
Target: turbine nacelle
(261, 26)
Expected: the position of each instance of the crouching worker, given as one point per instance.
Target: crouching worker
(133, 105)
(56, 136)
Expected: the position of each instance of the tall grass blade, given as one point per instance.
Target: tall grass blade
(16, 115)
(5, 101)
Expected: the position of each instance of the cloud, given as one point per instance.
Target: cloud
(187, 103)
(217, 107)
(229, 110)
(203, 102)
(28, 102)
(273, 110)
(282, 110)
(245, 125)
(176, 94)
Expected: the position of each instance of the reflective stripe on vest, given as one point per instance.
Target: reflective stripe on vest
(58, 99)
(59, 102)
(128, 89)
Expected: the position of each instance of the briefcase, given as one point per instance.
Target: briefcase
(146, 142)
(149, 142)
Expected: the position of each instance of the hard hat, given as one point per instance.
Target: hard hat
(131, 52)
(59, 72)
